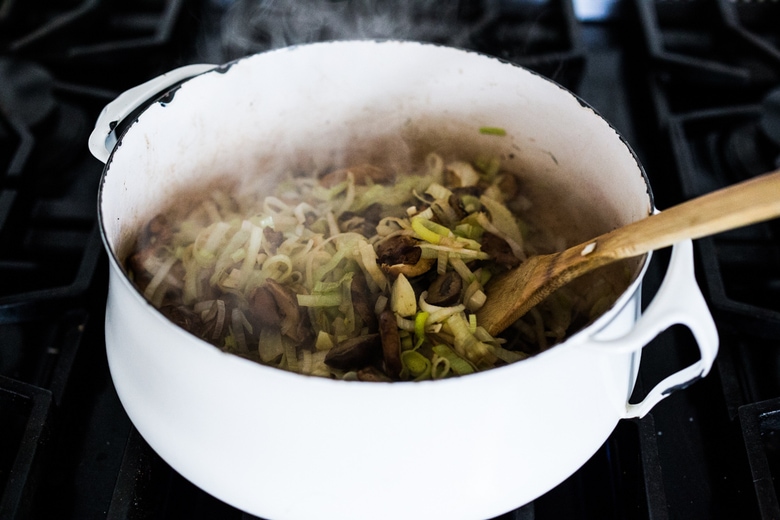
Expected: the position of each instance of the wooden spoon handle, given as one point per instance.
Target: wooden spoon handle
(742, 204)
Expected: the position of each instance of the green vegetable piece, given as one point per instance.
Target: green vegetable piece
(419, 366)
(492, 130)
(457, 364)
(419, 328)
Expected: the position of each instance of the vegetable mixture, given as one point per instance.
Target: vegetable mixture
(357, 274)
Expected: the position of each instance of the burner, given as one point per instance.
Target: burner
(32, 119)
(542, 36)
(761, 430)
(700, 49)
(754, 148)
(27, 90)
(117, 40)
(770, 121)
(26, 410)
(715, 148)
(756, 23)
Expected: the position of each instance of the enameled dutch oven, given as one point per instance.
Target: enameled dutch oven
(285, 446)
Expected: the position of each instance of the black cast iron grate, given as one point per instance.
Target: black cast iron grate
(713, 149)
(706, 51)
(56, 77)
(147, 486)
(761, 430)
(26, 412)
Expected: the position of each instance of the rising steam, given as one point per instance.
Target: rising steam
(251, 26)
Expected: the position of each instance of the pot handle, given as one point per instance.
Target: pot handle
(678, 301)
(103, 138)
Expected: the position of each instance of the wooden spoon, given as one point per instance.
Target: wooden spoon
(512, 294)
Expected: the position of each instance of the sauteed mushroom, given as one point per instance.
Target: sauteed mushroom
(363, 222)
(373, 375)
(316, 263)
(363, 301)
(263, 309)
(391, 343)
(400, 254)
(456, 200)
(355, 353)
(273, 304)
(499, 249)
(445, 289)
(182, 317)
(273, 238)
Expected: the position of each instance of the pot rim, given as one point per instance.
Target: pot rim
(577, 338)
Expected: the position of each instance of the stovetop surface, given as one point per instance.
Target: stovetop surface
(693, 86)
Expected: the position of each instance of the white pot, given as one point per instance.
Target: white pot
(285, 446)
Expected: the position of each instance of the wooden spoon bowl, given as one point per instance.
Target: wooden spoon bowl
(512, 294)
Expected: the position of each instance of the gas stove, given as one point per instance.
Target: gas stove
(694, 86)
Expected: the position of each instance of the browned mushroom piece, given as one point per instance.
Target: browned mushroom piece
(355, 353)
(373, 375)
(363, 221)
(363, 301)
(136, 264)
(508, 185)
(456, 199)
(400, 254)
(372, 213)
(398, 249)
(499, 250)
(410, 271)
(445, 289)
(273, 238)
(362, 174)
(156, 232)
(160, 229)
(292, 321)
(262, 308)
(182, 316)
(354, 223)
(391, 343)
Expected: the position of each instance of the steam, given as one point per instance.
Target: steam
(251, 26)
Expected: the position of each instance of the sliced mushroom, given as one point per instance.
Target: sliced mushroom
(456, 199)
(158, 230)
(263, 309)
(352, 222)
(398, 249)
(445, 289)
(292, 321)
(182, 317)
(400, 254)
(509, 186)
(499, 250)
(137, 263)
(373, 213)
(363, 301)
(373, 375)
(410, 271)
(355, 353)
(391, 343)
(361, 172)
(273, 238)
